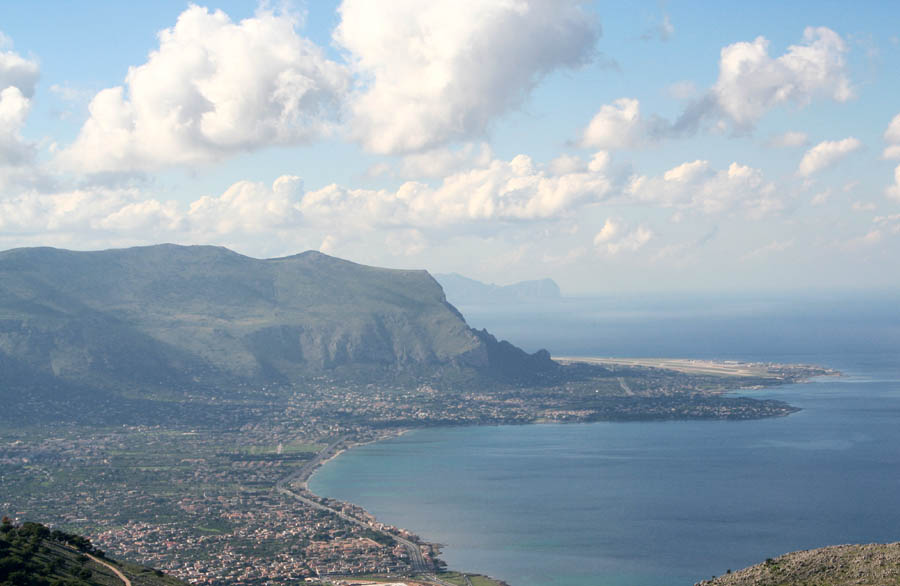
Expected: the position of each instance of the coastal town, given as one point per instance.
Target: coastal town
(225, 501)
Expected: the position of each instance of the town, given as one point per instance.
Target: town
(225, 500)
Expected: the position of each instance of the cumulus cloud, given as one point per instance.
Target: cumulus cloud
(893, 191)
(19, 72)
(616, 237)
(697, 186)
(614, 126)
(14, 107)
(751, 82)
(892, 138)
(213, 88)
(18, 77)
(77, 211)
(249, 207)
(443, 161)
(826, 154)
(514, 193)
(515, 190)
(443, 70)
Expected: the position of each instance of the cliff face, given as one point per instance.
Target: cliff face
(176, 315)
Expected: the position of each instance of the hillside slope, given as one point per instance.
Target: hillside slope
(184, 317)
(33, 555)
(840, 565)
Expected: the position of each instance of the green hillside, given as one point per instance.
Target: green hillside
(33, 555)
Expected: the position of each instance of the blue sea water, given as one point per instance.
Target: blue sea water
(660, 503)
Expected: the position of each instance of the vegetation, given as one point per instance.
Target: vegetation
(840, 565)
(33, 555)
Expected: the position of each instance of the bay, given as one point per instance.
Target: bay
(652, 503)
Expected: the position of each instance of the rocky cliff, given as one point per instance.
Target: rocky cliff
(182, 316)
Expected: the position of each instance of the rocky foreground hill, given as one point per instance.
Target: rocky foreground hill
(184, 318)
(840, 565)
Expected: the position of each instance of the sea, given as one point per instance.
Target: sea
(659, 503)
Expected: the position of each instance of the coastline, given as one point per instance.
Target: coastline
(736, 369)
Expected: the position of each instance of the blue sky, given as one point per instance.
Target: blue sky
(650, 147)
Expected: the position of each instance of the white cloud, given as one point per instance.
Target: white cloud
(249, 207)
(892, 134)
(611, 229)
(14, 107)
(697, 186)
(751, 82)
(870, 238)
(443, 70)
(892, 137)
(515, 194)
(893, 191)
(516, 190)
(75, 212)
(826, 154)
(18, 77)
(16, 71)
(789, 139)
(861, 206)
(616, 237)
(443, 161)
(213, 88)
(614, 126)
(891, 222)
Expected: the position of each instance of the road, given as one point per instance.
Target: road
(417, 560)
(625, 386)
(114, 569)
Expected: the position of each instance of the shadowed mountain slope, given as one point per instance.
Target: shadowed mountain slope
(180, 317)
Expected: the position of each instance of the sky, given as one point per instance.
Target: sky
(614, 147)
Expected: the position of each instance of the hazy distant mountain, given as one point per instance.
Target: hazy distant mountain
(176, 317)
(462, 290)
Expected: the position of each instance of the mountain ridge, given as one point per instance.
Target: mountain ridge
(183, 317)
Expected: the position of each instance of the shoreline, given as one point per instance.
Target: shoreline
(721, 368)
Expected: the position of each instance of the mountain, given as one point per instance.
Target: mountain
(185, 317)
(33, 555)
(462, 290)
(873, 564)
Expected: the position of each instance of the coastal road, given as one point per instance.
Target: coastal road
(417, 560)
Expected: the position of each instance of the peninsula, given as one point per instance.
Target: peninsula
(169, 402)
